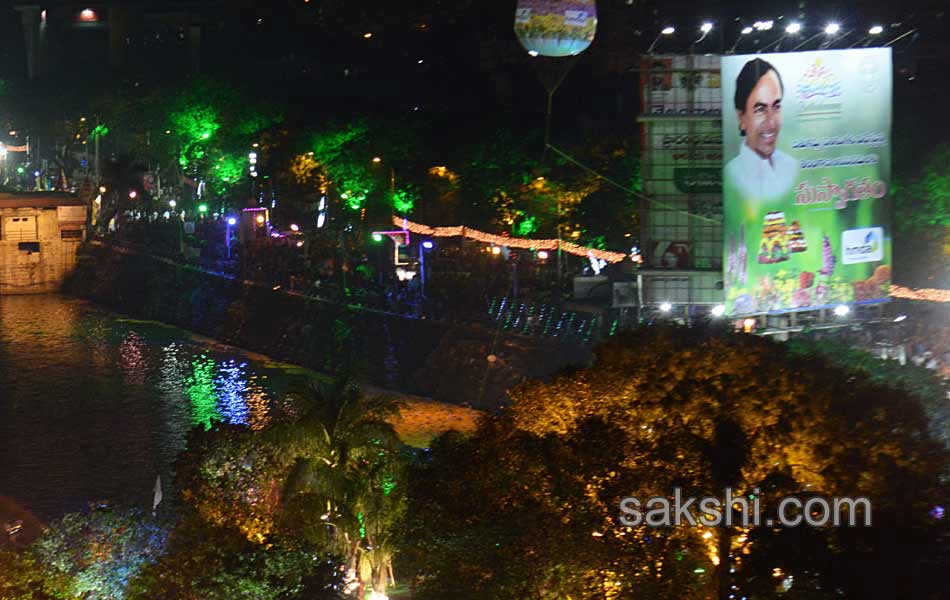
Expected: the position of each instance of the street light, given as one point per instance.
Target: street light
(231, 222)
(668, 30)
(876, 30)
(832, 28)
(745, 31)
(793, 28)
(705, 28)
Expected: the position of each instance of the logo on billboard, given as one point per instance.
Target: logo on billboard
(819, 81)
(819, 92)
(862, 245)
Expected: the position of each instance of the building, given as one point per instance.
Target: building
(39, 236)
(91, 40)
(681, 166)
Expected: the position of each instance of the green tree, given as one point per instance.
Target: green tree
(346, 486)
(207, 562)
(94, 555)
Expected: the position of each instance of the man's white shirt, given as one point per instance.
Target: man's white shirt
(761, 178)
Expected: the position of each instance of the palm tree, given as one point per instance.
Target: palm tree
(342, 488)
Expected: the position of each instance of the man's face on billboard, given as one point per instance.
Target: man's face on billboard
(762, 118)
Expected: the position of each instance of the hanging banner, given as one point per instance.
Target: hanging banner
(555, 28)
(806, 182)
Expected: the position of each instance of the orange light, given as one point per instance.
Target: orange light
(260, 219)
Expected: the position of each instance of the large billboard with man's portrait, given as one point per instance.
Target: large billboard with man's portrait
(806, 179)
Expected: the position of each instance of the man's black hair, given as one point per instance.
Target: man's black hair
(749, 76)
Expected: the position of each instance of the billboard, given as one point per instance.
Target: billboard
(806, 179)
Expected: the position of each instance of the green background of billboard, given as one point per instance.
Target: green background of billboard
(865, 107)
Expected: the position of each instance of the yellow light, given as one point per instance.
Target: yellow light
(82, 119)
(522, 243)
(495, 250)
(102, 189)
(377, 159)
(260, 219)
(367, 35)
(707, 535)
(925, 294)
(168, 132)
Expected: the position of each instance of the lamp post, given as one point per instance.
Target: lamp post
(231, 221)
(426, 245)
(668, 30)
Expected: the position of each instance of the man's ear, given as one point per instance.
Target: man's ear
(739, 114)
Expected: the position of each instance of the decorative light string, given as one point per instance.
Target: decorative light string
(924, 294)
(500, 240)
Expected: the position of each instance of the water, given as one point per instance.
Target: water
(93, 406)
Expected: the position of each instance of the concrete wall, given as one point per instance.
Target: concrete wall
(24, 271)
(445, 361)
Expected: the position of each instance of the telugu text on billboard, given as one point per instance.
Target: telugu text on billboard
(806, 179)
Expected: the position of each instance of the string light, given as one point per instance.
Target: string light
(499, 240)
(924, 294)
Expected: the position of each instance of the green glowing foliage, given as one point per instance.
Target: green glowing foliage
(100, 131)
(194, 122)
(403, 201)
(211, 125)
(229, 170)
(924, 202)
(329, 145)
(527, 226)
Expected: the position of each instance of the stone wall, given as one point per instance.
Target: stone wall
(23, 270)
(455, 363)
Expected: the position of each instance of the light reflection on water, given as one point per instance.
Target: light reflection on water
(94, 407)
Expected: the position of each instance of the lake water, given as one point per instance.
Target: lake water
(94, 406)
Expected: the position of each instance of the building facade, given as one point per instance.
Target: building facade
(681, 167)
(39, 236)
